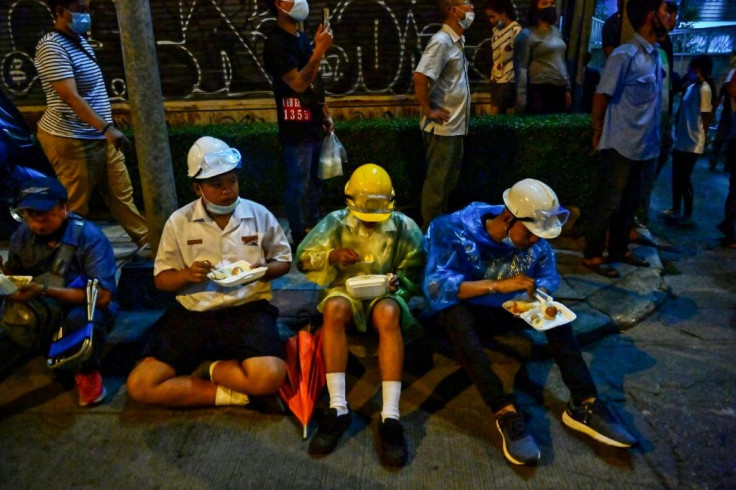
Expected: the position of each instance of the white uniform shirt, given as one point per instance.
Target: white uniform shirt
(443, 61)
(190, 234)
(689, 132)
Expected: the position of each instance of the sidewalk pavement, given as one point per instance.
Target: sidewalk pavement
(50, 441)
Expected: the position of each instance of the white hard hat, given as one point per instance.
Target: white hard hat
(535, 204)
(209, 157)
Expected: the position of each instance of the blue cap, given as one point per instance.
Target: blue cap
(42, 194)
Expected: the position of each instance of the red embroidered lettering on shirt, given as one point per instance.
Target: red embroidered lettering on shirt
(250, 238)
(198, 241)
(293, 110)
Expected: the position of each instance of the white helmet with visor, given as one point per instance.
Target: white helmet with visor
(535, 204)
(209, 157)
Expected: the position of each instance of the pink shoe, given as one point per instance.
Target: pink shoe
(90, 388)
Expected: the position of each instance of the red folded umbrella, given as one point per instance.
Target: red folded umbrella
(305, 378)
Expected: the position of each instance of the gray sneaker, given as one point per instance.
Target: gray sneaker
(595, 420)
(518, 445)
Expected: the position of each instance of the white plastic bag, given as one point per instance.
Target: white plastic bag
(331, 157)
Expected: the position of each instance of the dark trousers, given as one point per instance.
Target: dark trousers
(729, 211)
(683, 164)
(619, 194)
(545, 98)
(467, 324)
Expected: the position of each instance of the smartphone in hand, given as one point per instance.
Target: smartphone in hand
(325, 18)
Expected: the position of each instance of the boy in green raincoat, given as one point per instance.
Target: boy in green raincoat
(368, 237)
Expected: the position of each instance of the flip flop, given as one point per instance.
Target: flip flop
(603, 269)
(631, 259)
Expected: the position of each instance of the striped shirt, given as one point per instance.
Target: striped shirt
(502, 44)
(58, 58)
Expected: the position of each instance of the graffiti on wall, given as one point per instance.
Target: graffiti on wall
(210, 49)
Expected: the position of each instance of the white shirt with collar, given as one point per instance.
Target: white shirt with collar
(190, 234)
(443, 61)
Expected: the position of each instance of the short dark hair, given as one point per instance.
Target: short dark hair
(704, 63)
(271, 4)
(637, 10)
(58, 3)
(502, 7)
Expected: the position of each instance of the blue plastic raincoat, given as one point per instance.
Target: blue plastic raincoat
(460, 249)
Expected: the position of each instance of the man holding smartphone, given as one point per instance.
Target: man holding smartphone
(293, 64)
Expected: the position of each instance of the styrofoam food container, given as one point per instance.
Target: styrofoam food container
(245, 275)
(367, 287)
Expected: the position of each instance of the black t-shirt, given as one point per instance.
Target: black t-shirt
(300, 115)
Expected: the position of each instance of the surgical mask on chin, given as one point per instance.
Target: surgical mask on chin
(299, 11)
(465, 23)
(500, 24)
(507, 241)
(81, 22)
(217, 209)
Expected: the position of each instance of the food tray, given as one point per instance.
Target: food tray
(11, 284)
(535, 315)
(367, 287)
(231, 280)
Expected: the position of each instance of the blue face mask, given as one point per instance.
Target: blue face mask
(217, 209)
(81, 22)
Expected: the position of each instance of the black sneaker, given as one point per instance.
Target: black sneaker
(391, 443)
(518, 445)
(594, 419)
(329, 432)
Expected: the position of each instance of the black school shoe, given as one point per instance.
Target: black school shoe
(391, 443)
(329, 432)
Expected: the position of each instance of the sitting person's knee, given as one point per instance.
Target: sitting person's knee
(386, 315)
(337, 308)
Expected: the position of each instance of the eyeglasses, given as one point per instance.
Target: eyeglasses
(229, 159)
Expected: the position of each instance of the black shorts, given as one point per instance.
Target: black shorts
(503, 95)
(183, 339)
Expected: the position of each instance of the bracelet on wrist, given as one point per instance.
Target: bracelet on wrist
(492, 288)
(107, 126)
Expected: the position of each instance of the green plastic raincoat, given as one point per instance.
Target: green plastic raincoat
(392, 246)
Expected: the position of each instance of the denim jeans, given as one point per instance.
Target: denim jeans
(303, 187)
(444, 156)
(619, 194)
(467, 324)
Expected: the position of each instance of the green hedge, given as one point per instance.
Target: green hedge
(499, 150)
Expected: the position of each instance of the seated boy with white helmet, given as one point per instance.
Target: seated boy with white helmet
(484, 255)
(367, 238)
(226, 334)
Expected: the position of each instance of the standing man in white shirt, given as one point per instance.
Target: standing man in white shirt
(443, 92)
(218, 345)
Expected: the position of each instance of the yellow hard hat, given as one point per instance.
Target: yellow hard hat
(369, 193)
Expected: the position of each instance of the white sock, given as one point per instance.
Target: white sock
(212, 368)
(336, 389)
(391, 395)
(226, 396)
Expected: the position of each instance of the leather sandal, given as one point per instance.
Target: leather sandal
(630, 258)
(603, 269)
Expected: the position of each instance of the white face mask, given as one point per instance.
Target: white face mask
(217, 209)
(299, 11)
(465, 23)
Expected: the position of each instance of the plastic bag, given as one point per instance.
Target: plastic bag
(331, 158)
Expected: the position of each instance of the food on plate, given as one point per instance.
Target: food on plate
(519, 307)
(537, 320)
(20, 280)
(226, 272)
(551, 312)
